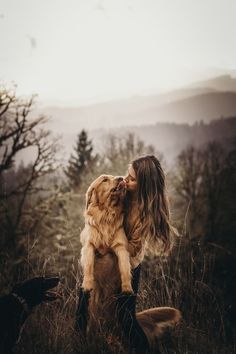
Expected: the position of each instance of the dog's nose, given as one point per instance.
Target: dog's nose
(119, 178)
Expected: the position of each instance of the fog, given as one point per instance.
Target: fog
(77, 52)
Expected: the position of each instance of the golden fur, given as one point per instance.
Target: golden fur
(104, 228)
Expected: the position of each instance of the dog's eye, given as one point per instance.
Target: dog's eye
(105, 180)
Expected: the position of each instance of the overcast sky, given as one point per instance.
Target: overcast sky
(76, 50)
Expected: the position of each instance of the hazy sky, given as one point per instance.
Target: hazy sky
(80, 49)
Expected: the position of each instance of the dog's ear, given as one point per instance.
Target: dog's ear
(91, 197)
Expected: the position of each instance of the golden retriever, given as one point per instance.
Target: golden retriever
(104, 216)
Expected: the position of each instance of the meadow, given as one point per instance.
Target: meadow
(41, 214)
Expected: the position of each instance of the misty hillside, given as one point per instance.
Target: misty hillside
(206, 101)
(204, 107)
(219, 83)
(127, 111)
(168, 138)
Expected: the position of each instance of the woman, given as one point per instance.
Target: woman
(147, 215)
(147, 220)
(147, 225)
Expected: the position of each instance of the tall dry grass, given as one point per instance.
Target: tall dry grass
(184, 280)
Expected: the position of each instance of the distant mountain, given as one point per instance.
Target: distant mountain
(220, 83)
(183, 106)
(205, 107)
(170, 121)
(205, 100)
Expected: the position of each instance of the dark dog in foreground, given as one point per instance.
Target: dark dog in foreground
(16, 307)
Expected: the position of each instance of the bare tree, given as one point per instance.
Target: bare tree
(20, 132)
(204, 181)
(120, 151)
(187, 182)
(214, 163)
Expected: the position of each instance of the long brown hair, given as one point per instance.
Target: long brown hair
(153, 202)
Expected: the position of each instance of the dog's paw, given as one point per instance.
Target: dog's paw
(127, 289)
(87, 285)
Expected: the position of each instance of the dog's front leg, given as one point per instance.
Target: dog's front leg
(87, 261)
(124, 266)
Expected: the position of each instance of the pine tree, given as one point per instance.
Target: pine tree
(81, 160)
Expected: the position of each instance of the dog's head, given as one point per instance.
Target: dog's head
(35, 291)
(106, 190)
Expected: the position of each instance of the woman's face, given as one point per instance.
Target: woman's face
(130, 179)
